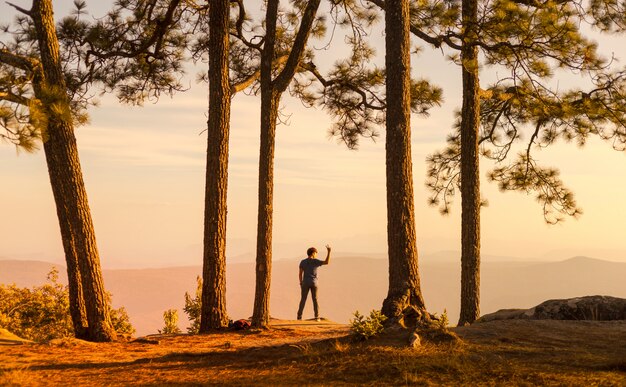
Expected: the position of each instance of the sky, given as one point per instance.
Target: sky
(144, 173)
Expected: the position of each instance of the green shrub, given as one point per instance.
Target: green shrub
(366, 327)
(121, 321)
(43, 313)
(443, 322)
(170, 319)
(40, 313)
(192, 308)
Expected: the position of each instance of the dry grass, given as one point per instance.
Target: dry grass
(525, 353)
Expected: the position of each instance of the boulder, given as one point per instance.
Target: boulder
(595, 308)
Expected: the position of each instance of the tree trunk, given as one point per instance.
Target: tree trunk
(271, 91)
(213, 312)
(404, 282)
(67, 183)
(470, 177)
(77, 303)
(269, 113)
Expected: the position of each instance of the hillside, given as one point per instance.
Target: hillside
(527, 353)
(350, 283)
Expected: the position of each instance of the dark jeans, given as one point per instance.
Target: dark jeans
(304, 294)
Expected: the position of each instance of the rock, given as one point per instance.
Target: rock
(503, 314)
(414, 340)
(596, 308)
(145, 340)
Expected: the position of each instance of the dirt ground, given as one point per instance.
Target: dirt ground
(514, 352)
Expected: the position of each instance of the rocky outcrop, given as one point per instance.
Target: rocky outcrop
(596, 308)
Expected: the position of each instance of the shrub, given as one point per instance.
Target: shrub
(121, 321)
(192, 308)
(366, 327)
(43, 312)
(40, 313)
(170, 318)
(442, 321)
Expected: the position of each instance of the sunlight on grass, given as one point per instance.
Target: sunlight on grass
(19, 376)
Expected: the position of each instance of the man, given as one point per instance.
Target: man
(308, 279)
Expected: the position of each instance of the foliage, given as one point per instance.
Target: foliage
(192, 308)
(42, 313)
(120, 320)
(170, 319)
(366, 327)
(532, 42)
(442, 321)
(136, 50)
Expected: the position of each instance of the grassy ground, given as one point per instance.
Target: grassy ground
(496, 353)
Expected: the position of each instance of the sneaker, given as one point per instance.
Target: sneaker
(299, 317)
(318, 319)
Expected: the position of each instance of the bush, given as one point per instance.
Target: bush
(192, 308)
(366, 327)
(40, 313)
(120, 320)
(170, 318)
(442, 321)
(43, 312)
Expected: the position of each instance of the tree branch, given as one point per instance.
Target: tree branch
(436, 41)
(237, 87)
(20, 9)
(241, 17)
(297, 51)
(310, 67)
(10, 97)
(155, 39)
(21, 62)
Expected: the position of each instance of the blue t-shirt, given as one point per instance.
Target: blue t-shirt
(309, 267)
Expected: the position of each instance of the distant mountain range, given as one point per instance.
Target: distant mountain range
(348, 284)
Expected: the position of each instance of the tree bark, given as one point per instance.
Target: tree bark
(404, 282)
(271, 91)
(213, 311)
(77, 303)
(68, 188)
(470, 177)
(269, 114)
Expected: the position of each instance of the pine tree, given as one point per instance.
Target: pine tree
(213, 312)
(470, 190)
(232, 68)
(360, 98)
(404, 281)
(57, 128)
(272, 87)
(530, 39)
(47, 72)
(524, 37)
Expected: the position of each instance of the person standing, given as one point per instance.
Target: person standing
(308, 279)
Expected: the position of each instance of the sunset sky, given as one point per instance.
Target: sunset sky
(144, 172)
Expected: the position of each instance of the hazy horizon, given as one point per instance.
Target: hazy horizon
(146, 293)
(443, 256)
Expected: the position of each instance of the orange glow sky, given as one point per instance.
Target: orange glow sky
(144, 171)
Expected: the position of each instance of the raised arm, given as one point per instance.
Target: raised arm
(327, 261)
